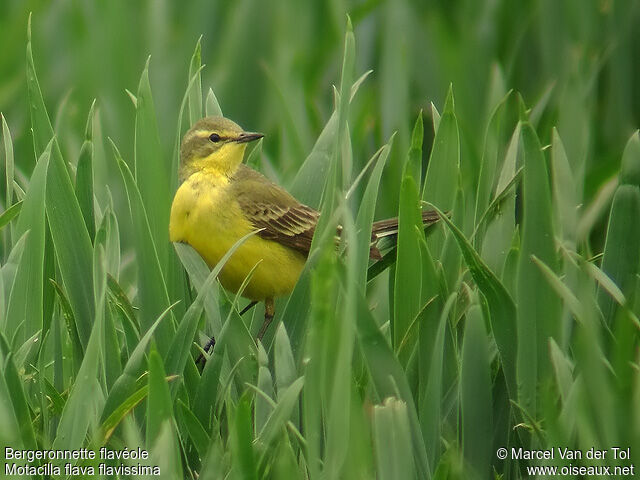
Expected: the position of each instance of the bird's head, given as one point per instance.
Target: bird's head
(214, 144)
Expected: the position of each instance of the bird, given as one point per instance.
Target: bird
(219, 200)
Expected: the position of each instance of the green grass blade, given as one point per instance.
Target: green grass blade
(63, 212)
(619, 262)
(430, 408)
(159, 402)
(9, 165)
(276, 421)
(408, 274)
(111, 242)
(10, 435)
(389, 379)
(207, 393)
(435, 117)
(475, 396)
(494, 245)
(306, 187)
(539, 310)
(197, 433)
(565, 194)
(215, 464)
(70, 323)
(242, 441)
(25, 304)
(441, 179)
(10, 213)
(85, 398)
(366, 213)
(195, 92)
(569, 299)
(563, 370)
(113, 420)
(212, 107)
(8, 274)
(166, 452)
(342, 150)
(501, 307)
(154, 298)
(125, 385)
(18, 402)
(630, 168)
(322, 354)
(263, 403)
(84, 176)
(392, 439)
(151, 171)
(283, 361)
(175, 159)
(490, 158)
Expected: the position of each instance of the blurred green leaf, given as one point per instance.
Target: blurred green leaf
(151, 170)
(392, 439)
(204, 402)
(408, 278)
(159, 402)
(198, 435)
(619, 262)
(166, 453)
(25, 308)
(242, 441)
(264, 399)
(444, 162)
(9, 166)
(498, 234)
(283, 362)
(538, 308)
(212, 106)
(195, 92)
(113, 420)
(18, 400)
(280, 415)
(389, 379)
(475, 395)
(125, 385)
(84, 176)
(86, 398)
(366, 212)
(430, 408)
(490, 158)
(630, 167)
(63, 211)
(565, 195)
(154, 298)
(501, 308)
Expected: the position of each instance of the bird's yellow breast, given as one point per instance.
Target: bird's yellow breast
(206, 216)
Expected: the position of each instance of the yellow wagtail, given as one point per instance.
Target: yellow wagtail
(220, 200)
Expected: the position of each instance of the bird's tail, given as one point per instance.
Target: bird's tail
(389, 228)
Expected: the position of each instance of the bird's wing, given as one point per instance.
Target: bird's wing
(268, 207)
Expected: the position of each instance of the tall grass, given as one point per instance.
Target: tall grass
(513, 323)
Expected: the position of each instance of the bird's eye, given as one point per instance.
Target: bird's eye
(214, 137)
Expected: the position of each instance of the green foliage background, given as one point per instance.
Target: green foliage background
(512, 324)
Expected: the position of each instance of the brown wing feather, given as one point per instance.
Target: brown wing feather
(283, 219)
(268, 207)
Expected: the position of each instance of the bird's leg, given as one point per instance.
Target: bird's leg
(252, 304)
(212, 341)
(269, 312)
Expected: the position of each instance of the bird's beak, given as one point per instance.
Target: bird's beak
(245, 137)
